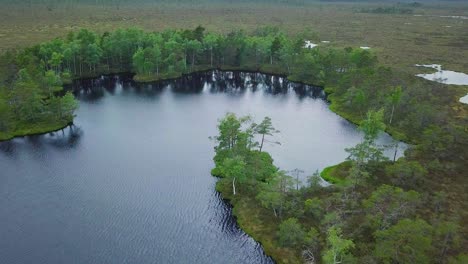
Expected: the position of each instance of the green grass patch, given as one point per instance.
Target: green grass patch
(33, 129)
(336, 174)
(336, 106)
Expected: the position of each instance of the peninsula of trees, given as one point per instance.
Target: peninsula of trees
(377, 211)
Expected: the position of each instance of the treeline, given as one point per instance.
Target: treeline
(378, 213)
(52, 5)
(387, 10)
(398, 8)
(173, 52)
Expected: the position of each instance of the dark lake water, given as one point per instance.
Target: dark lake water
(131, 183)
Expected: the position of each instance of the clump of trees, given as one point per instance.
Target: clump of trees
(33, 100)
(239, 157)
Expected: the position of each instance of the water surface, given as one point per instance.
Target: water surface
(131, 183)
(446, 77)
(309, 44)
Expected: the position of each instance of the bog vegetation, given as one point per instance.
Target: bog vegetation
(378, 210)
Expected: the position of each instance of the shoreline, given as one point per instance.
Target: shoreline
(5, 136)
(33, 132)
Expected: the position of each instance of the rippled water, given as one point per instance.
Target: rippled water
(131, 183)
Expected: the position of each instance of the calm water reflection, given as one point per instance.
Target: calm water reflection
(130, 182)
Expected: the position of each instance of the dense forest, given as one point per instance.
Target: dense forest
(378, 210)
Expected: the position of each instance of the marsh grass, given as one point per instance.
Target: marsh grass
(336, 174)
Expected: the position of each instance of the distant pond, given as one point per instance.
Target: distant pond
(446, 77)
(130, 181)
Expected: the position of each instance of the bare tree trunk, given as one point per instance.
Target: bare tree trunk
(261, 145)
(297, 181)
(256, 57)
(74, 64)
(120, 60)
(193, 60)
(396, 151)
(444, 247)
(211, 56)
(234, 186)
(391, 115)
